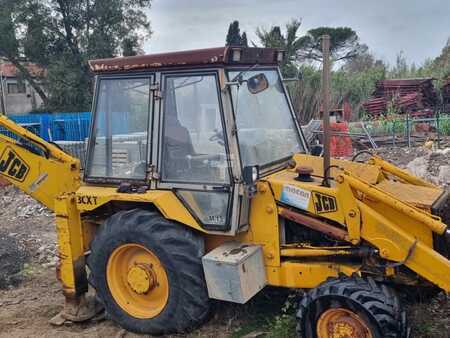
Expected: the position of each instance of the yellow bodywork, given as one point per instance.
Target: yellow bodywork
(373, 207)
(374, 203)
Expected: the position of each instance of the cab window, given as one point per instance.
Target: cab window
(120, 131)
(193, 148)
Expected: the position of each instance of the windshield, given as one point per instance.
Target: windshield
(266, 129)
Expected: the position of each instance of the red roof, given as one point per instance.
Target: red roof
(199, 57)
(9, 70)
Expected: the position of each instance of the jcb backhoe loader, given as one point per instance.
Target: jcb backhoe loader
(198, 184)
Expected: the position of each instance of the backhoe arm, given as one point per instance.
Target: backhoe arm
(35, 166)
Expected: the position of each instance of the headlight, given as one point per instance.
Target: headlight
(250, 175)
(255, 174)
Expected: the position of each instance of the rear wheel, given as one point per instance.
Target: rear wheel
(351, 307)
(147, 272)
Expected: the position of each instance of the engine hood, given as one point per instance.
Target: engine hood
(383, 175)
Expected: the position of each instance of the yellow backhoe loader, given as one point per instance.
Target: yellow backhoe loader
(198, 185)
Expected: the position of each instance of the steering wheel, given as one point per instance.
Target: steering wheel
(218, 137)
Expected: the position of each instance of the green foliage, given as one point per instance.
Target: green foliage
(244, 41)
(270, 314)
(352, 86)
(356, 87)
(305, 93)
(344, 44)
(444, 125)
(354, 83)
(282, 326)
(437, 68)
(274, 38)
(234, 37)
(62, 35)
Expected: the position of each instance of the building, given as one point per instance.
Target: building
(17, 96)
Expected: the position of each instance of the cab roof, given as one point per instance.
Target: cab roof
(220, 56)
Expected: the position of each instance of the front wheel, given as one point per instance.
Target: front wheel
(147, 271)
(351, 307)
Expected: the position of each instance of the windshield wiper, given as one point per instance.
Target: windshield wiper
(238, 77)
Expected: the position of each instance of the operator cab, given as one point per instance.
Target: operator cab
(193, 122)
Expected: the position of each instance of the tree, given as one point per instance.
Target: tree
(344, 44)
(9, 44)
(62, 35)
(274, 38)
(441, 64)
(244, 41)
(234, 37)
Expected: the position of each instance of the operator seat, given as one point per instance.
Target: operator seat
(177, 147)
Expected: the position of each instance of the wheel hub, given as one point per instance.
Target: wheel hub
(137, 281)
(342, 323)
(141, 278)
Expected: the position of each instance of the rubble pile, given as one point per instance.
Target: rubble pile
(23, 205)
(431, 165)
(26, 235)
(415, 96)
(13, 256)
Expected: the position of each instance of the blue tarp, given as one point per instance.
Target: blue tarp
(69, 126)
(56, 126)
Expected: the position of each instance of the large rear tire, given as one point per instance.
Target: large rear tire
(148, 273)
(351, 307)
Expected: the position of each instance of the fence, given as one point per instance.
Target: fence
(69, 130)
(55, 127)
(405, 130)
(398, 131)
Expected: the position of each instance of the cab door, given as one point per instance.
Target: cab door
(119, 143)
(193, 153)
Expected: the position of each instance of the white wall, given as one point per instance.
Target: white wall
(21, 103)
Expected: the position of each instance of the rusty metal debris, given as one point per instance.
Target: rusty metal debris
(417, 97)
(446, 94)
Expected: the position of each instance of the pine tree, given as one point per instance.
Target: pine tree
(233, 36)
(244, 41)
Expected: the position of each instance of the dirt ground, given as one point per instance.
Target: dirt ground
(30, 294)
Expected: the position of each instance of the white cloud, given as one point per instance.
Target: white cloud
(419, 28)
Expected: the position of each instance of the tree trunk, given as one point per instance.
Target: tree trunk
(30, 79)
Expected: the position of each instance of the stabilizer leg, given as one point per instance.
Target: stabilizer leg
(71, 271)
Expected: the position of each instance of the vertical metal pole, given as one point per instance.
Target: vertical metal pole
(326, 70)
(393, 132)
(2, 91)
(437, 129)
(408, 130)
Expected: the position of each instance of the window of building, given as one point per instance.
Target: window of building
(16, 88)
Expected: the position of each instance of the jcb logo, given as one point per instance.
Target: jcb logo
(324, 203)
(12, 166)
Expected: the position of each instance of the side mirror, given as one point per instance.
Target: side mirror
(257, 83)
(250, 175)
(317, 150)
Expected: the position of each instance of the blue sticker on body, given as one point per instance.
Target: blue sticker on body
(295, 197)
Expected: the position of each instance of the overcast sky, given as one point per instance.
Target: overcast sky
(420, 28)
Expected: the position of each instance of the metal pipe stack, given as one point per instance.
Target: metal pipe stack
(417, 97)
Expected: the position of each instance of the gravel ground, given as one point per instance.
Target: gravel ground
(13, 256)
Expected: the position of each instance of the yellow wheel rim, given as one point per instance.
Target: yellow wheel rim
(342, 323)
(137, 281)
